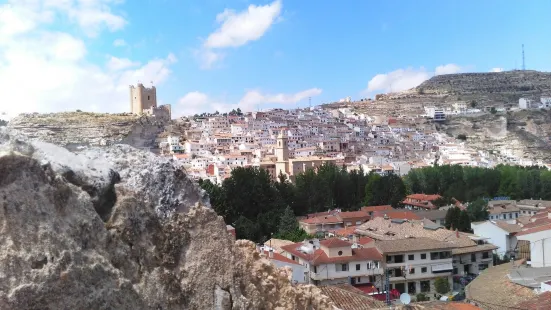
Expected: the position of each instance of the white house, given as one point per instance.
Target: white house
(525, 103)
(540, 245)
(299, 272)
(499, 233)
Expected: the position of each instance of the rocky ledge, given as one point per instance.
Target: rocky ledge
(119, 228)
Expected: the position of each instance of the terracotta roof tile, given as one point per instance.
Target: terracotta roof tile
(334, 243)
(510, 228)
(541, 302)
(423, 197)
(359, 254)
(534, 230)
(324, 219)
(493, 289)
(397, 214)
(352, 214)
(347, 297)
(280, 258)
(411, 244)
(377, 208)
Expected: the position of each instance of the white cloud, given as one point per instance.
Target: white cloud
(198, 102)
(496, 70)
(238, 28)
(48, 71)
(447, 69)
(116, 64)
(119, 43)
(403, 79)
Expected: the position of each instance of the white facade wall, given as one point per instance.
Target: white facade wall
(496, 236)
(540, 248)
(299, 271)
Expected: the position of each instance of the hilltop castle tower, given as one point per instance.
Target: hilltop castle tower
(142, 98)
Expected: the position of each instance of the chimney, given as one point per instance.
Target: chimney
(271, 253)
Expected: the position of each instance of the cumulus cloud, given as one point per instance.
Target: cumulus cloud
(198, 102)
(237, 29)
(115, 64)
(447, 69)
(496, 70)
(403, 79)
(47, 71)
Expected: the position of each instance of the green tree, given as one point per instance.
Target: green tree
(370, 188)
(478, 210)
(464, 223)
(288, 222)
(442, 285)
(452, 218)
(3, 122)
(493, 110)
(473, 104)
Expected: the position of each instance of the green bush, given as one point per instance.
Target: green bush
(421, 297)
(442, 285)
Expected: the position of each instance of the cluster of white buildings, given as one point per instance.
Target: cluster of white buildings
(291, 141)
(526, 103)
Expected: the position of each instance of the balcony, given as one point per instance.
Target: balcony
(332, 274)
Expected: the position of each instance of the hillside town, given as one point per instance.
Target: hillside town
(291, 141)
(380, 253)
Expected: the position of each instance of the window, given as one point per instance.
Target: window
(440, 255)
(473, 257)
(147, 97)
(424, 256)
(411, 256)
(315, 269)
(340, 253)
(486, 255)
(357, 266)
(412, 271)
(412, 286)
(341, 267)
(425, 286)
(423, 269)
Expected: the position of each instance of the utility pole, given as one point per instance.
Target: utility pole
(387, 286)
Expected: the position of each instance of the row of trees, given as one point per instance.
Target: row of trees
(471, 183)
(260, 208)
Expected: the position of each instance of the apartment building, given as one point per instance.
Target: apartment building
(333, 220)
(335, 261)
(415, 263)
(420, 202)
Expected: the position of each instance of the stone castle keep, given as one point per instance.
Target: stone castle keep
(143, 100)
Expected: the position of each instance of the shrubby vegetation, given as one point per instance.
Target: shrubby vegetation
(260, 208)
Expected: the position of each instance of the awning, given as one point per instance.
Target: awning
(442, 268)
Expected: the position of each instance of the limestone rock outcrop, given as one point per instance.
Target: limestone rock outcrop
(119, 228)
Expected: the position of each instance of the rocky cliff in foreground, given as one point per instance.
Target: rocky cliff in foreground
(118, 228)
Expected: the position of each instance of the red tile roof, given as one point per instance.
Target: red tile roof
(534, 230)
(325, 219)
(377, 208)
(397, 214)
(540, 302)
(334, 243)
(423, 197)
(281, 258)
(352, 214)
(345, 232)
(360, 254)
(538, 222)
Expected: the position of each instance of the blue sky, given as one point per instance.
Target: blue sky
(217, 55)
